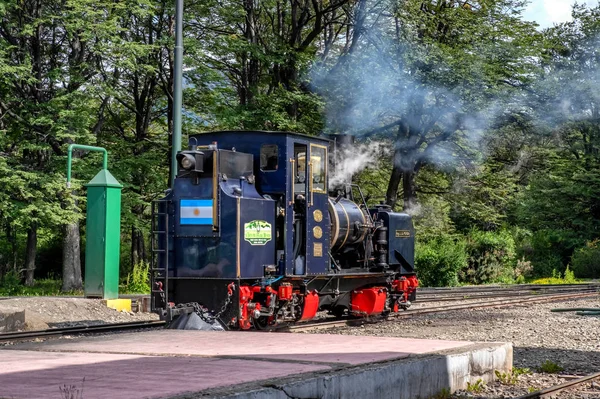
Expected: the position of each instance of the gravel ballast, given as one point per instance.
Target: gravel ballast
(538, 335)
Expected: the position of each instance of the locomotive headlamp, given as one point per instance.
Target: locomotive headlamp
(187, 162)
(191, 160)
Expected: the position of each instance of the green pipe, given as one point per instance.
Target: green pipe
(177, 89)
(88, 148)
(576, 310)
(588, 313)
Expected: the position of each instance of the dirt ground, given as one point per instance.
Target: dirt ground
(48, 312)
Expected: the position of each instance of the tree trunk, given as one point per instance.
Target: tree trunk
(138, 249)
(71, 259)
(11, 236)
(409, 189)
(30, 255)
(391, 195)
(134, 248)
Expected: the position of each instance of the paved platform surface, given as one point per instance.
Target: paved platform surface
(171, 363)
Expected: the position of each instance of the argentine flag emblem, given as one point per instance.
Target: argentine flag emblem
(196, 212)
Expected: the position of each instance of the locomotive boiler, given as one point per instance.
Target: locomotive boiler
(252, 235)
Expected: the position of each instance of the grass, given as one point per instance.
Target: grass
(567, 278)
(550, 367)
(136, 282)
(42, 287)
(477, 387)
(511, 378)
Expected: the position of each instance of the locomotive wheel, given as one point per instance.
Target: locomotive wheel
(261, 323)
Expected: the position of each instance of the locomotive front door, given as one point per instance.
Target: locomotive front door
(299, 203)
(317, 216)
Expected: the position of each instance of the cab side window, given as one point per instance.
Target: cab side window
(318, 169)
(269, 157)
(299, 176)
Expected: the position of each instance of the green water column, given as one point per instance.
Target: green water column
(103, 230)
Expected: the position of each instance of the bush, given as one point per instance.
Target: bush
(10, 284)
(492, 257)
(439, 260)
(549, 250)
(585, 262)
(138, 281)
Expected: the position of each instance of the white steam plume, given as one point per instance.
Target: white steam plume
(355, 158)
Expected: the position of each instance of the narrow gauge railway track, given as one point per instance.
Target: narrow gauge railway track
(550, 392)
(101, 328)
(326, 324)
(507, 288)
(520, 287)
(433, 295)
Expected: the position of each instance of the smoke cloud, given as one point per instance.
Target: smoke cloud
(353, 159)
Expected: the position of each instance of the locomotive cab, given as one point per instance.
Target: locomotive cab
(249, 236)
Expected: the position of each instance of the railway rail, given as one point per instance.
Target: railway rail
(465, 293)
(550, 392)
(326, 324)
(100, 328)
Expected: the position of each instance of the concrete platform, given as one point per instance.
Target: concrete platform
(11, 319)
(194, 364)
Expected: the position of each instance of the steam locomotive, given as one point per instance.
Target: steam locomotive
(252, 235)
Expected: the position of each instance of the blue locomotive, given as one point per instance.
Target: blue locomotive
(252, 235)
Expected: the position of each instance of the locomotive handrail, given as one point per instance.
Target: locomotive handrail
(88, 148)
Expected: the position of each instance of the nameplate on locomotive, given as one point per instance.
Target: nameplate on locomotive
(317, 249)
(402, 233)
(257, 232)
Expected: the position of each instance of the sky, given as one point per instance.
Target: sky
(548, 12)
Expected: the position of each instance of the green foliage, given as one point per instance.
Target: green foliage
(439, 260)
(548, 250)
(550, 367)
(484, 197)
(498, 195)
(492, 257)
(477, 387)
(11, 285)
(569, 276)
(511, 378)
(557, 278)
(586, 260)
(522, 270)
(138, 281)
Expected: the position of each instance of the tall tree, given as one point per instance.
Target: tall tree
(427, 74)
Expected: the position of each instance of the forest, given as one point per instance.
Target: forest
(482, 126)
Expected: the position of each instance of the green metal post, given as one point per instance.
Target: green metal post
(87, 148)
(177, 88)
(103, 230)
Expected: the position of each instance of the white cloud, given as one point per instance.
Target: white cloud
(558, 10)
(549, 12)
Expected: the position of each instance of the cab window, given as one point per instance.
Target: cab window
(300, 168)
(269, 157)
(318, 168)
